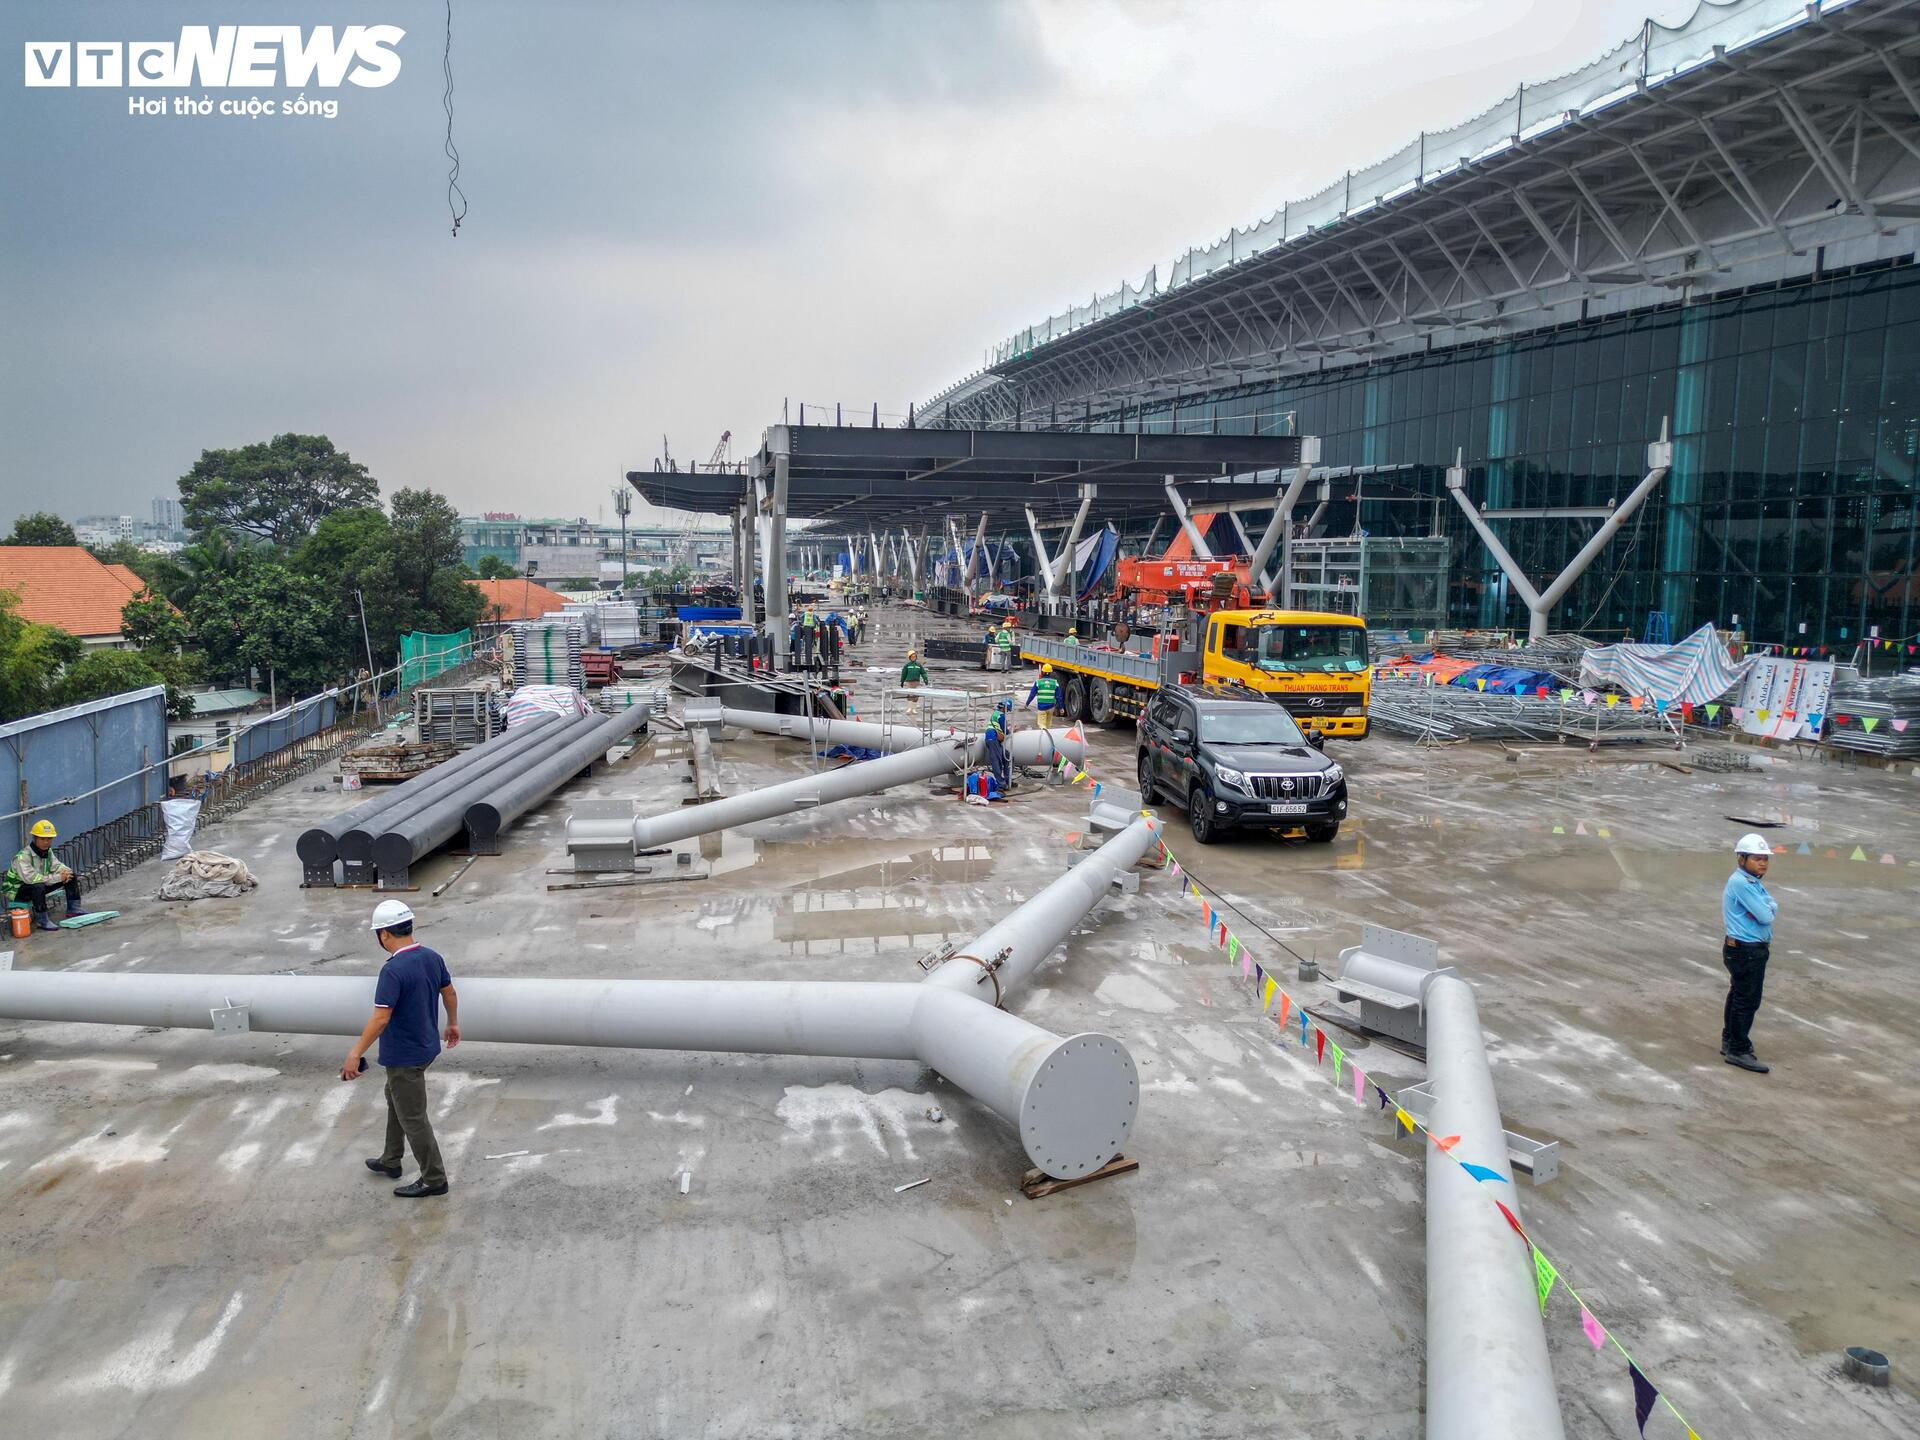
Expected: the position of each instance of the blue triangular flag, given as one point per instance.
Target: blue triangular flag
(1381, 1092)
(1643, 1396)
(1303, 1027)
(1481, 1172)
(1814, 720)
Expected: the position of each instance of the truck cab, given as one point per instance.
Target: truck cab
(1313, 663)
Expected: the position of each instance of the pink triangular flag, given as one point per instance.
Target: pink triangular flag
(1246, 963)
(1595, 1334)
(1359, 1086)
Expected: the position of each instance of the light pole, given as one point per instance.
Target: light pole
(623, 502)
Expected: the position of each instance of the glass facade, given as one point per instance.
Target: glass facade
(1789, 512)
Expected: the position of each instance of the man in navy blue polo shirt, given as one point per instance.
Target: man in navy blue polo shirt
(406, 1022)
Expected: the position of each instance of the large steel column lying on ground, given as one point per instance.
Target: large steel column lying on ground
(515, 747)
(1487, 1366)
(319, 846)
(1047, 744)
(1073, 1100)
(868, 777)
(489, 814)
(563, 754)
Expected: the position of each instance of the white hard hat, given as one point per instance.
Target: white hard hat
(389, 913)
(1751, 844)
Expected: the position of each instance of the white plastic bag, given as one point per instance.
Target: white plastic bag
(180, 816)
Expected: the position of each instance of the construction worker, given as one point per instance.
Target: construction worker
(406, 1022)
(913, 674)
(1002, 718)
(1073, 637)
(1747, 915)
(1044, 695)
(36, 872)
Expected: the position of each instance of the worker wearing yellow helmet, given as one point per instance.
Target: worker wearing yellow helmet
(1044, 695)
(36, 872)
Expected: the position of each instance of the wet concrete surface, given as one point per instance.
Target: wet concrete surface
(192, 1246)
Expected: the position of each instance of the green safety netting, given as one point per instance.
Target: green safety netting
(424, 656)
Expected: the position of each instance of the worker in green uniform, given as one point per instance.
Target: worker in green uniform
(36, 872)
(1044, 695)
(913, 673)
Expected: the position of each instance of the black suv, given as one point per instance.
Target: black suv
(1237, 761)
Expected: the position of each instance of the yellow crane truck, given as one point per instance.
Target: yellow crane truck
(1313, 663)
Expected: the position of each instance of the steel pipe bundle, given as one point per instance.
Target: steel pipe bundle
(495, 798)
(1072, 1099)
(1049, 745)
(1487, 1366)
(319, 846)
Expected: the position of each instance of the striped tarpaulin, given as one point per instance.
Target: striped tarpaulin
(1696, 670)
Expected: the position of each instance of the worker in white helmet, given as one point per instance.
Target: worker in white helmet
(406, 1022)
(1748, 912)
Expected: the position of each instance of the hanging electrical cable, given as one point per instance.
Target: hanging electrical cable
(452, 152)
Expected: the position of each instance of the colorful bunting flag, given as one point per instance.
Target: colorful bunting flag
(1659, 705)
(1595, 1332)
(1359, 1086)
(1481, 1172)
(1339, 1057)
(1381, 1091)
(1644, 1395)
(1266, 994)
(1404, 1118)
(1233, 948)
(1303, 1027)
(1612, 700)
(1481, 683)
(1513, 1220)
(1867, 722)
(1565, 695)
(1713, 710)
(1447, 1143)
(1285, 1001)
(1543, 1277)
(1319, 1045)
(1246, 962)
(1636, 701)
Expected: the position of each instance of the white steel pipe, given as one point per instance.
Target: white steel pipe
(1487, 1366)
(1024, 747)
(1073, 1100)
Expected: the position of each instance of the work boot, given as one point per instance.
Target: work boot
(44, 921)
(75, 911)
(1747, 1060)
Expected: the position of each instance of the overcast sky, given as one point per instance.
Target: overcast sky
(681, 215)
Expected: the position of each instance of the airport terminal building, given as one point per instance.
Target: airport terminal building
(1713, 227)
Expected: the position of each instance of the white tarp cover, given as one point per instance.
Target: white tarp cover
(1696, 670)
(1656, 52)
(1785, 699)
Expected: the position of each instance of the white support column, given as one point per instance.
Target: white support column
(973, 556)
(873, 543)
(777, 560)
(1194, 538)
(1277, 533)
(1063, 575)
(749, 559)
(1039, 549)
(1540, 603)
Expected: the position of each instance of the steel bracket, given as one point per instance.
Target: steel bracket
(1538, 1160)
(230, 1020)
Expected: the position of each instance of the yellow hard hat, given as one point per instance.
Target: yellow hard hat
(1046, 669)
(44, 829)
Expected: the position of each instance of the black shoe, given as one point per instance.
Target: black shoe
(1747, 1060)
(420, 1188)
(392, 1172)
(1724, 1049)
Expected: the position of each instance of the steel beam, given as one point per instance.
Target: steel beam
(1194, 537)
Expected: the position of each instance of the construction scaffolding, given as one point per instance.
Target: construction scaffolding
(1446, 714)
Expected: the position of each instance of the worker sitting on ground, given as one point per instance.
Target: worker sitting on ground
(1044, 695)
(36, 872)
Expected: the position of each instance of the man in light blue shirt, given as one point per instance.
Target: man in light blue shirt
(1747, 914)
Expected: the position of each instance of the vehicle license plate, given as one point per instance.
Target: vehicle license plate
(1293, 809)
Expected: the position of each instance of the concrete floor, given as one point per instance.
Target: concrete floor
(192, 1247)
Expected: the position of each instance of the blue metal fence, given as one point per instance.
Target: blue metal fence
(283, 727)
(83, 767)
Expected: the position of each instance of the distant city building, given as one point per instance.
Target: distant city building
(166, 514)
(104, 529)
(578, 549)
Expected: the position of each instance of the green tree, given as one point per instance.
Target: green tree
(99, 673)
(261, 617)
(340, 542)
(31, 660)
(180, 670)
(277, 490)
(411, 577)
(42, 528)
(149, 622)
(492, 567)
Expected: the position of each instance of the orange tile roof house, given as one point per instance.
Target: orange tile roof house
(65, 586)
(517, 599)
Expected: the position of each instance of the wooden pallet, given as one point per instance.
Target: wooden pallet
(1037, 1184)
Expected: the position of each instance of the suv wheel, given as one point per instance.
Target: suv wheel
(1200, 815)
(1321, 834)
(1149, 793)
